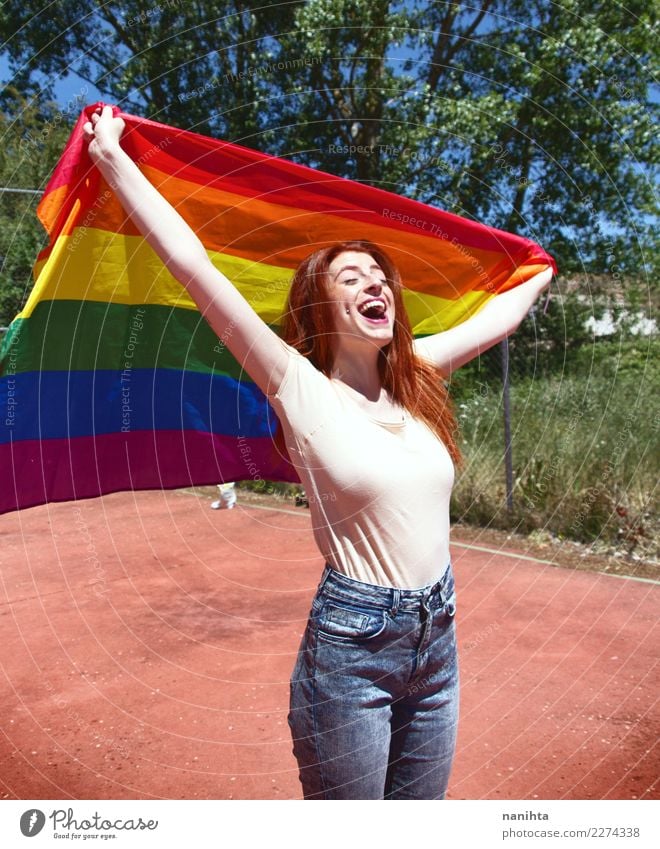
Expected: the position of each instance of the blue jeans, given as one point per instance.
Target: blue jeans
(374, 692)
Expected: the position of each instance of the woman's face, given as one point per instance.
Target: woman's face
(363, 303)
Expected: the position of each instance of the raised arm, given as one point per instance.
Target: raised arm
(256, 347)
(497, 320)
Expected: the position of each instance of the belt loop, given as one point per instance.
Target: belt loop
(441, 592)
(396, 600)
(442, 585)
(326, 574)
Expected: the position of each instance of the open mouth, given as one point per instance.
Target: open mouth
(374, 311)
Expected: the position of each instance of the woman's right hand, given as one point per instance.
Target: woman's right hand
(102, 133)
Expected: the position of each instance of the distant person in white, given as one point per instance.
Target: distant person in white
(227, 500)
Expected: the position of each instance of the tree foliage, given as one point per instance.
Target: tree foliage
(530, 115)
(32, 141)
(201, 65)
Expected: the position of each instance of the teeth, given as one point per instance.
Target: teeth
(374, 303)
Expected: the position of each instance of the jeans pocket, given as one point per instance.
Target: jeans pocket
(346, 623)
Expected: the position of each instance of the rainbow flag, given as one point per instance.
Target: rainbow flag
(110, 378)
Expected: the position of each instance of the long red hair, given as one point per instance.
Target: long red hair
(411, 381)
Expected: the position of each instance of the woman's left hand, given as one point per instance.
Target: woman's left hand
(497, 320)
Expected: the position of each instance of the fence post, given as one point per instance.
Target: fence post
(506, 404)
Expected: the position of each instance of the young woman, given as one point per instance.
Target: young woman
(365, 419)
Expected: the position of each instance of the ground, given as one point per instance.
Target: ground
(147, 642)
(542, 545)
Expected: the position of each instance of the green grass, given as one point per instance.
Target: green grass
(585, 454)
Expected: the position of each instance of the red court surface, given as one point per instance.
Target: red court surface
(146, 643)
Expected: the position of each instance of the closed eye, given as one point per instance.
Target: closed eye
(356, 280)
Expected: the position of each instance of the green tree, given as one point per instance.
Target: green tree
(33, 135)
(530, 115)
(199, 65)
(533, 116)
(340, 112)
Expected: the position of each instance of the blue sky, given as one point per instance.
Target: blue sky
(66, 88)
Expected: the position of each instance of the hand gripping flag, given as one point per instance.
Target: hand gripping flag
(110, 379)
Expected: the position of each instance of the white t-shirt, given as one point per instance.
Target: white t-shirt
(378, 491)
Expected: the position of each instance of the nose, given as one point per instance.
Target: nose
(374, 284)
